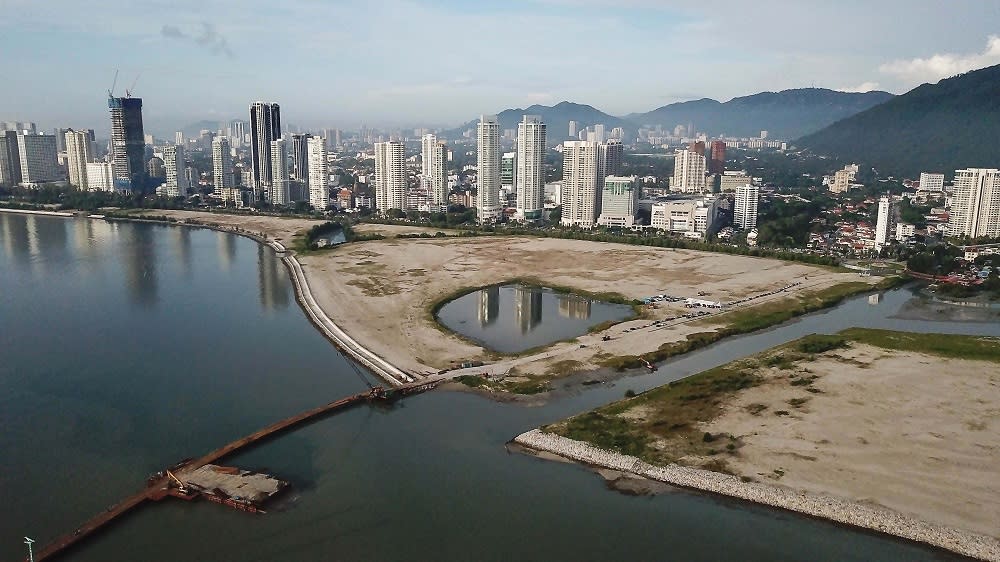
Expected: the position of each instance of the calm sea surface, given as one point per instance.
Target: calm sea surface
(127, 347)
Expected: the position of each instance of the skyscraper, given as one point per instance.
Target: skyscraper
(619, 199)
(507, 170)
(319, 193)
(572, 129)
(745, 208)
(488, 160)
(580, 204)
(439, 176)
(176, 184)
(128, 144)
(300, 156)
(689, 172)
(427, 143)
(885, 226)
(975, 208)
(717, 165)
(279, 174)
(265, 126)
(10, 160)
(39, 160)
(237, 133)
(222, 164)
(78, 153)
(530, 177)
(390, 176)
(599, 135)
(611, 156)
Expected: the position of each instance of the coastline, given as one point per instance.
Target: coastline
(829, 508)
(34, 212)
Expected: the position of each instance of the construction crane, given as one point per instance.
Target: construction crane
(111, 92)
(128, 92)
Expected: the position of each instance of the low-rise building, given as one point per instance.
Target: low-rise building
(690, 217)
(618, 201)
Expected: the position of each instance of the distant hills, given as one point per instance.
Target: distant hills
(935, 127)
(787, 114)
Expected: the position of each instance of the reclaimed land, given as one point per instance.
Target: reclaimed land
(892, 431)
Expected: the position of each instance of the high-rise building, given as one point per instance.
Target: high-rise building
(222, 164)
(427, 143)
(611, 156)
(619, 199)
(438, 184)
(155, 170)
(975, 207)
(745, 206)
(39, 159)
(390, 176)
(931, 182)
(580, 203)
(300, 156)
(697, 146)
(237, 133)
(78, 153)
(128, 144)
(572, 129)
(488, 160)
(279, 173)
(10, 160)
(618, 133)
(265, 126)
(717, 164)
(530, 165)
(100, 176)
(689, 171)
(508, 170)
(177, 182)
(179, 138)
(319, 176)
(885, 226)
(599, 135)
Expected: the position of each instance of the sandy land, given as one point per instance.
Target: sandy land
(381, 291)
(916, 433)
(282, 229)
(388, 230)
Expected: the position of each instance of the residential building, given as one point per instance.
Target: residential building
(843, 179)
(689, 171)
(580, 197)
(572, 129)
(507, 170)
(599, 133)
(904, 231)
(100, 176)
(975, 208)
(427, 144)
(529, 178)
(611, 158)
(885, 225)
(717, 165)
(619, 198)
(265, 127)
(10, 160)
(390, 176)
(177, 181)
(155, 169)
(128, 144)
(745, 207)
(931, 182)
(618, 133)
(222, 164)
(488, 175)
(438, 184)
(697, 146)
(179, 138)
(319, 193)
(39, 159)
(279, 173)
(300, 156)
(78, 153)
(729, 181)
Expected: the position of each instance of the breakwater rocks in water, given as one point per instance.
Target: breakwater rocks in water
(826, 507)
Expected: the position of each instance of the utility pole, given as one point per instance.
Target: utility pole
(31, 554)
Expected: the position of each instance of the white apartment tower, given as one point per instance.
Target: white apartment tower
(100, 176)
(975, 207)
(78, 154)
(619, 198)
(580, 185)
(38, 158)
(529, 177)
(745, 206)
(689, 172)
(279, 173)
(319, 194)
(885, 225)
(488, 160)
(439, 176)
(173, 162)
(931, 181)
(390, 176)
(427, 144)
(222, 164)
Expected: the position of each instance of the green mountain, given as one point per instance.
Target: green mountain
(784, 115)
(935, 127)
(556, 119)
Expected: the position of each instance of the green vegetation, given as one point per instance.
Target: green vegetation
(531, 385)
(945, 345)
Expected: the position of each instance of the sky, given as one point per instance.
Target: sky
(345, 63)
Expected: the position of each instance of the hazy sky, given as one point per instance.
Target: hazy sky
(344, 63)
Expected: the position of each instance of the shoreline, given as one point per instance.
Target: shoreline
(868, 517)
(34, 212)
(303, 296)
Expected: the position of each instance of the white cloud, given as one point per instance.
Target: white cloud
(860, 88)
(940, 66)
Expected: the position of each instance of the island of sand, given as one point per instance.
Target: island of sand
(903, 426)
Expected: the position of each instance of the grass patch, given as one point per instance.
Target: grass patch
(979, 348)
(564, 367)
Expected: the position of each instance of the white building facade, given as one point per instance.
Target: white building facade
(176, 184)
(100, 176)
(222, 164)
(488, 166)
(931, 181)
(438, 184)
(390, 176)
(78, 154)
(319, 176)
(39, 158)
(580, 197)
(529, 177)
(745, 206)
(279, 173)
(885, 225)
(619, 198)
(975, 208)
(689, 172)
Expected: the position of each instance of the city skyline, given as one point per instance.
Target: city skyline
(167, 46)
